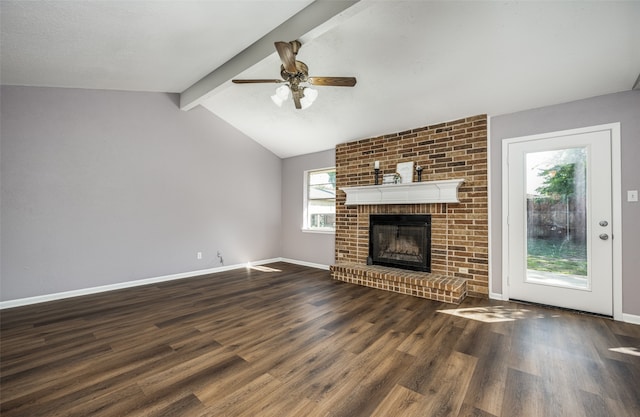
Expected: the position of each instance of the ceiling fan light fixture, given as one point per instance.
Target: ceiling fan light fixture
(310, 95)
(281, 95)
(294, 73)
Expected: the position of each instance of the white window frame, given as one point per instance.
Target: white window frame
(305, 211)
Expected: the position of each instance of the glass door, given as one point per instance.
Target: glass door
(556, 222)
(559, 215)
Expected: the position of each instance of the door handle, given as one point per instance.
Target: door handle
(604, 236)
(603, 223)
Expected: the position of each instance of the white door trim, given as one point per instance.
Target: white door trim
(616, 207)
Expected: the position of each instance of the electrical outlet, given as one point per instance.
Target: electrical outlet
(199, 255)
(632, 196)
(464, 270)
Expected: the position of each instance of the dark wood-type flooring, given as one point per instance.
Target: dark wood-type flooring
(293, 342)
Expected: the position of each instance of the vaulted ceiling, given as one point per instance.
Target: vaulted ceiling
(416, 62)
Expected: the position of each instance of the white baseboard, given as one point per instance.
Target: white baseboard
(263, 262)
(630, 318)
(103, 288)
(305, 263)
(496, 296)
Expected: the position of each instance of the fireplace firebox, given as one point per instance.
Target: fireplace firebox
(400, 241)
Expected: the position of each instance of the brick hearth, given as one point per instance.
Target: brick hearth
(459, 251)
(420, 284)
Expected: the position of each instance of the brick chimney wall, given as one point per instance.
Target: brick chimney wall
(450, 150)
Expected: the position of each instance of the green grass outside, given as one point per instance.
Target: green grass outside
(558, 256)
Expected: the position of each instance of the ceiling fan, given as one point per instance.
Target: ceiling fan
(295, 74)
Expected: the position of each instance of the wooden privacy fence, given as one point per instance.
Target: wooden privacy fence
(563, 218)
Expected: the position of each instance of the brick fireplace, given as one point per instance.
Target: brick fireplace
(400, 240)
(459, 231)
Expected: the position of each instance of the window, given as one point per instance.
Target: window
(320, 200)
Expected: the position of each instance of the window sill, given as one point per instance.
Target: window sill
(319, 231)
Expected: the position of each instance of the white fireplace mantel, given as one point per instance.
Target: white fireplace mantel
(445, 191)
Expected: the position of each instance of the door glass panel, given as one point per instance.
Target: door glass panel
(556, 202)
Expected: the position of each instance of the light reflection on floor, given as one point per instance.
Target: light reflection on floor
(263, 268)
(627, 350)
(493, 314)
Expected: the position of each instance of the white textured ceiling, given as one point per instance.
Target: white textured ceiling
(137, 45)
(417, 62)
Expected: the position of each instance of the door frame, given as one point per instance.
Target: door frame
(616, 206)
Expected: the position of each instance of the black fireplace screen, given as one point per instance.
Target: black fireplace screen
(400, 241)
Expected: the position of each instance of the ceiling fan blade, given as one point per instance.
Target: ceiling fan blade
(333, 81)
(256, 81)
(288, 58)
(296, 98)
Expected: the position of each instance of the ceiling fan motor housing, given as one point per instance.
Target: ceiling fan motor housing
(299, 77)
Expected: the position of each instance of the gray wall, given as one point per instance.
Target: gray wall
(105, 187)
(296, 244)
(620, 107)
